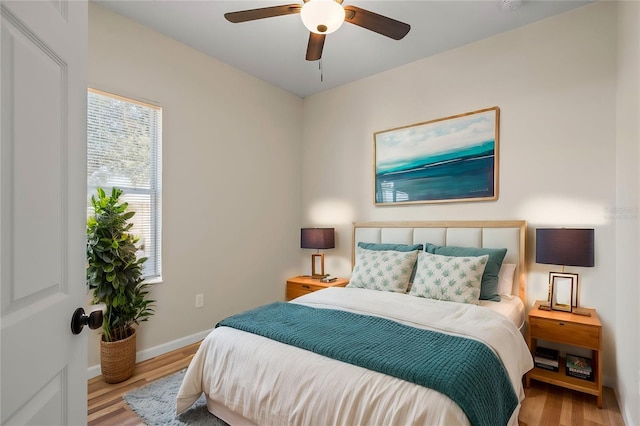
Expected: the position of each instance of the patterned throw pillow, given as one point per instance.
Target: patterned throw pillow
(456, 279)
(489, 284)
(384, 270)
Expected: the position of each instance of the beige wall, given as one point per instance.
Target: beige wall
(231, 187)
(627, 218)
(555, 84)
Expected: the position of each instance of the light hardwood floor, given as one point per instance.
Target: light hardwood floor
(544, 404)
(106, 406)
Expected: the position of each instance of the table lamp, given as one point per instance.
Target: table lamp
(565, 247)
(319, 239)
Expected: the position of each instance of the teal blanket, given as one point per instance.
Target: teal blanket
(465, 370)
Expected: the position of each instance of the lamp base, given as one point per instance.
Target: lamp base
(314, 260)
(544, 305)
(581, 311)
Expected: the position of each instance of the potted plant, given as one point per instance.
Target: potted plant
(114, 274)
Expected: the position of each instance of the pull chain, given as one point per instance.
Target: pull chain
(320, 68)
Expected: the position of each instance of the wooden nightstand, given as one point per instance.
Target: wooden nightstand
(299, 286)
(573, 330)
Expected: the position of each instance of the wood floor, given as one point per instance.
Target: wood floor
(106, 406)
(544, 405)
(551, 405)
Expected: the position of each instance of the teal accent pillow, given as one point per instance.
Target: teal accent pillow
(394, 247)
(489, 285)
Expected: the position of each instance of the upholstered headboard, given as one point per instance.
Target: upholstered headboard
(508, 234)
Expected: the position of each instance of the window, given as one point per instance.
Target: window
(124, 145)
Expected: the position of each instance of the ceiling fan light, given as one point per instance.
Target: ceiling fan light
(322, 16)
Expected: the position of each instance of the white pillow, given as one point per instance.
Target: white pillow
(451, 278)
(505, 279)
(384, 270)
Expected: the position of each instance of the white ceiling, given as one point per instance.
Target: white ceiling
(273, 49)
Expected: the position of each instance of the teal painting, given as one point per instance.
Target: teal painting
(445, 160)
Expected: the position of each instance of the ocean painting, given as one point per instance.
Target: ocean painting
(444, 160)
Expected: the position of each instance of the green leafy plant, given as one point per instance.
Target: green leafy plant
(114, 272)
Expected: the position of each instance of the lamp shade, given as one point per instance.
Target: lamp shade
(317, 238)
(322, 16)
(565, 246)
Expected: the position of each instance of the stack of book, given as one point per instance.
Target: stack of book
(546, 358)
(580, 367)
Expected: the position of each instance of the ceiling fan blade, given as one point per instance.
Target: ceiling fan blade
(314, 48)
(376, 23)
(261, 13)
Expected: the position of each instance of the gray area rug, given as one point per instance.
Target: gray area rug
(155, 404)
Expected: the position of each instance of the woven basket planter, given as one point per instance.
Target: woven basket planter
(118, 359)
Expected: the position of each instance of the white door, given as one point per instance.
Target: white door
(42, 211)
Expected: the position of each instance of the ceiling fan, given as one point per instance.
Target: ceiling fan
(322, 17)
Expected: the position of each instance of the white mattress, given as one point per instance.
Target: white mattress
(269, 383)
(509, 306)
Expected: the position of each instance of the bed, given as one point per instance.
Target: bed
(379, 355)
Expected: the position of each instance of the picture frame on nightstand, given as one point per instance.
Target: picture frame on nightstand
(563, 291)
(563, 275)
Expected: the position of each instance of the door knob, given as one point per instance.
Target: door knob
(80, 319)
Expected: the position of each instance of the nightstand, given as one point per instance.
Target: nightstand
(572, 330)
(299, 286)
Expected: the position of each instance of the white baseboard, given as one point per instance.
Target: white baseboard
(94, 370)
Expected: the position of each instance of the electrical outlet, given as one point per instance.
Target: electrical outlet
(199, 300)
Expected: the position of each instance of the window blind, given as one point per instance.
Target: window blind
(124, 147)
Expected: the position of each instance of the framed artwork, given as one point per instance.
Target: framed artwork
(564, 291)
(445, 160)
